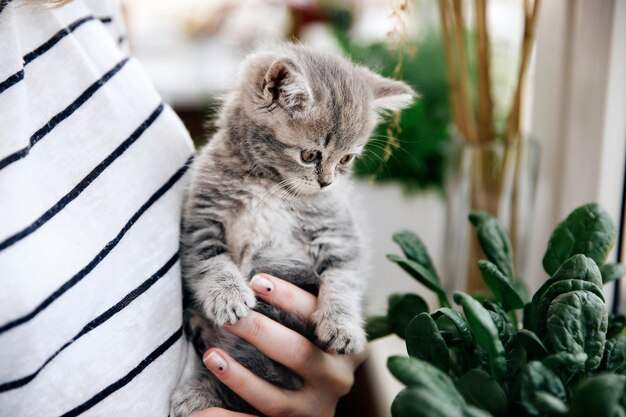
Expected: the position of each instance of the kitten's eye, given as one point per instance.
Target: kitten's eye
(309, 156)
(346, 159)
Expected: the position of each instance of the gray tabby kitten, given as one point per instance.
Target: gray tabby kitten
(270, 193)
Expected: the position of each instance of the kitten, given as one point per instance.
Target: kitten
(270, 193)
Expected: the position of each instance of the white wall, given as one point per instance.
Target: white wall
(387, 210)
(578, 113)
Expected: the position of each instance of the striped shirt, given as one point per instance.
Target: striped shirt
(92, 176)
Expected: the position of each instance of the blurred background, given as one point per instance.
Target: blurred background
(417, 172)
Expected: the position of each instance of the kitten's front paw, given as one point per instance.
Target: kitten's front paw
(230, 303)
(193, 395)
(343, 336)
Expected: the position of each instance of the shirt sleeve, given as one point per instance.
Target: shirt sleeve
(93, 167)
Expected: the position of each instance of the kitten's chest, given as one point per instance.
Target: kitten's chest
(264, 224)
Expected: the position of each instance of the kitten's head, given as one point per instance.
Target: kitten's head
(308, 114)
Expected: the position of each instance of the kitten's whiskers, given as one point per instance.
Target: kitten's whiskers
(382, 145)
(292, 192)
(275, 189)
(287, 193)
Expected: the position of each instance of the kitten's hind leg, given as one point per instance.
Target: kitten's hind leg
(194, 395)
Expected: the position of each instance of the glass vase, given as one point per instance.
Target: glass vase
(497, 178)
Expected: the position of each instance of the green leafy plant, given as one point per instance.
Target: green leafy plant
(569, 359)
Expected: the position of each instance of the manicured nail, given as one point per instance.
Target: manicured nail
(215, 362)
(261, 285)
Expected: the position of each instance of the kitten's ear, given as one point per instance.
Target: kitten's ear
(285, 83)
(391, 94)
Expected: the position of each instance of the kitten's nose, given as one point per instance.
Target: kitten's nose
(324, 184)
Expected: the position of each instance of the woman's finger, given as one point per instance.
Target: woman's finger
(284, 295)
(260, 394)
(281, 344)
(219, 412)
(290, 297)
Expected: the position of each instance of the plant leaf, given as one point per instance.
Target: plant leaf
(457, 334)
(559, 288)
(598, 396)
(535, 350)
(494, 241)
(521, 288)
(423, 341)
(512, 348)
(414, 372)
(502, 321)
(422, 275)
(614, 359)
(485, 332)
(617, 323)
(577, 323)
(577, 267)
(588, 230)
(541, 390)
(459, 321)
(480, 389)
(401, 310)
(612, 272)
(419, 402)
(471, 411)
(565, 364)
(549, 404)
(414, 249)
(377, 327)
(500, 286)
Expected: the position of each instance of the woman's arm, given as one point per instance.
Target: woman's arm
(327, 376)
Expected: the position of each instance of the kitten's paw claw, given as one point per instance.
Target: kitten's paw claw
(341, 337)
(230, 304)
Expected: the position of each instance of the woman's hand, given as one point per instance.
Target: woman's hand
(327, 377)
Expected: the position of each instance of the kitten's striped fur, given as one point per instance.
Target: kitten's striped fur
(255, 206)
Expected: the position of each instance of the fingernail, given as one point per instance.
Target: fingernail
(261, 285)
(215, 362)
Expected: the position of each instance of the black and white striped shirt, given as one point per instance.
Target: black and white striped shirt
(92, 173)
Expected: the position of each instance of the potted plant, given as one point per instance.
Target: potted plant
(566, 357)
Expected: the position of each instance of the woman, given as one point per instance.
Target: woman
(92, 175)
